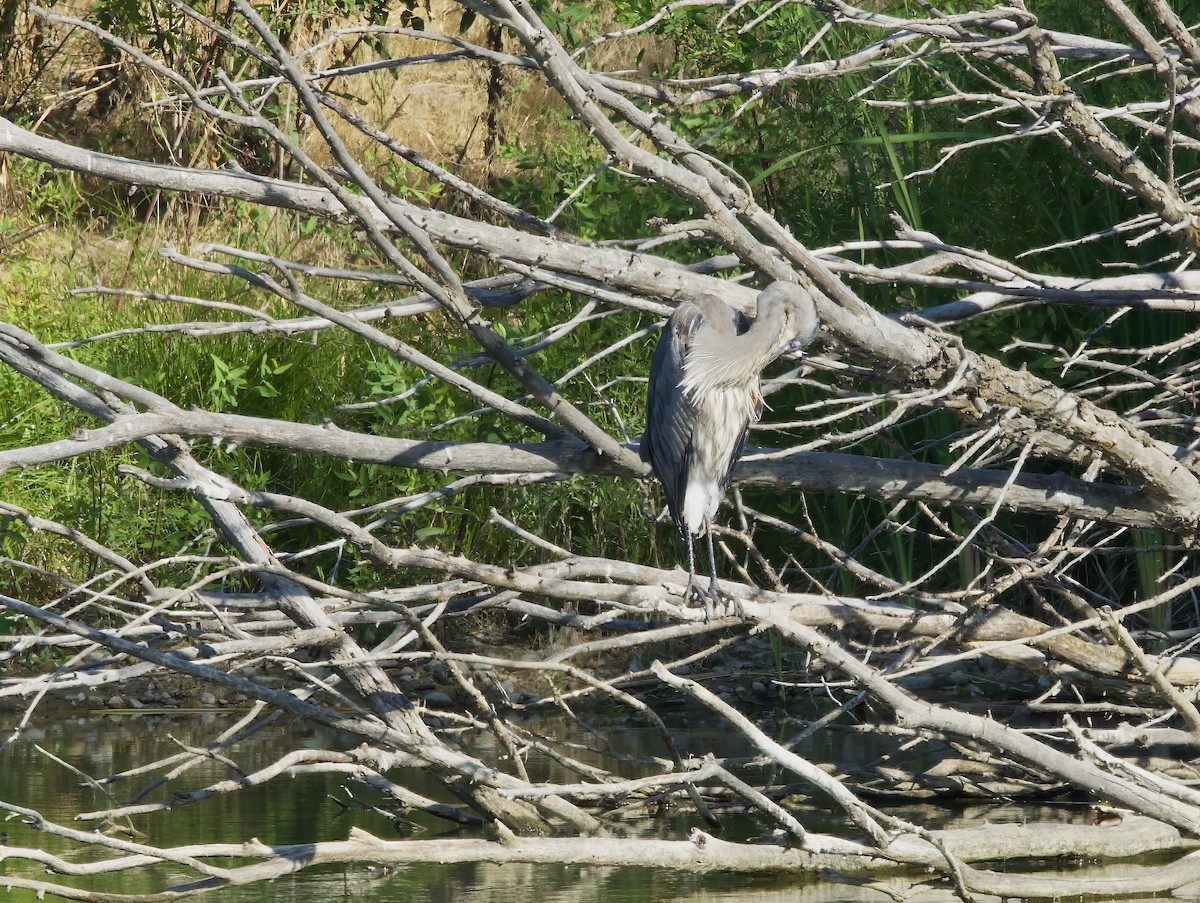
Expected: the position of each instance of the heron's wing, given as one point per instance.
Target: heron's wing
(670, 416)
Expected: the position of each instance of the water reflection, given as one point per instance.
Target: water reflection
(314, 808)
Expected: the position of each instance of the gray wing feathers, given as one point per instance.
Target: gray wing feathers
(670, 416)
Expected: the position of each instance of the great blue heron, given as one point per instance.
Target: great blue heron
(704, 394)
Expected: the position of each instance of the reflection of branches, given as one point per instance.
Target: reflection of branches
(297, 763)
(703, 853)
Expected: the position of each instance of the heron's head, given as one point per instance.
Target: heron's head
(788, 311)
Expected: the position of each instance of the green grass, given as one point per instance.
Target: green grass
(302, 378)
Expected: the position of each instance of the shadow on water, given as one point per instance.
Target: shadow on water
(323, 806)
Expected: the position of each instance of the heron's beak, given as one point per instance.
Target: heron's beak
(798, 344)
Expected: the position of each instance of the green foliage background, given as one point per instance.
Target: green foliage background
(827, 163)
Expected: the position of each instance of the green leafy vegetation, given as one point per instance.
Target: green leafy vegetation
(303, 378)
(831, 165)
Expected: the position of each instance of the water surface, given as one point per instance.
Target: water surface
(319, 807)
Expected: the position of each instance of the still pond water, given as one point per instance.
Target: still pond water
(313, 807)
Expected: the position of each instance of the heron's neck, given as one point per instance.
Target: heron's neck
(715, 361)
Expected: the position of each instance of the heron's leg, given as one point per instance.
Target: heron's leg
(712, 566)
(713, 589)
(693, 588)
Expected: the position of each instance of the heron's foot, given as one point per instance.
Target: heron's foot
(712, 597)
(706, 597)
(732, 604)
